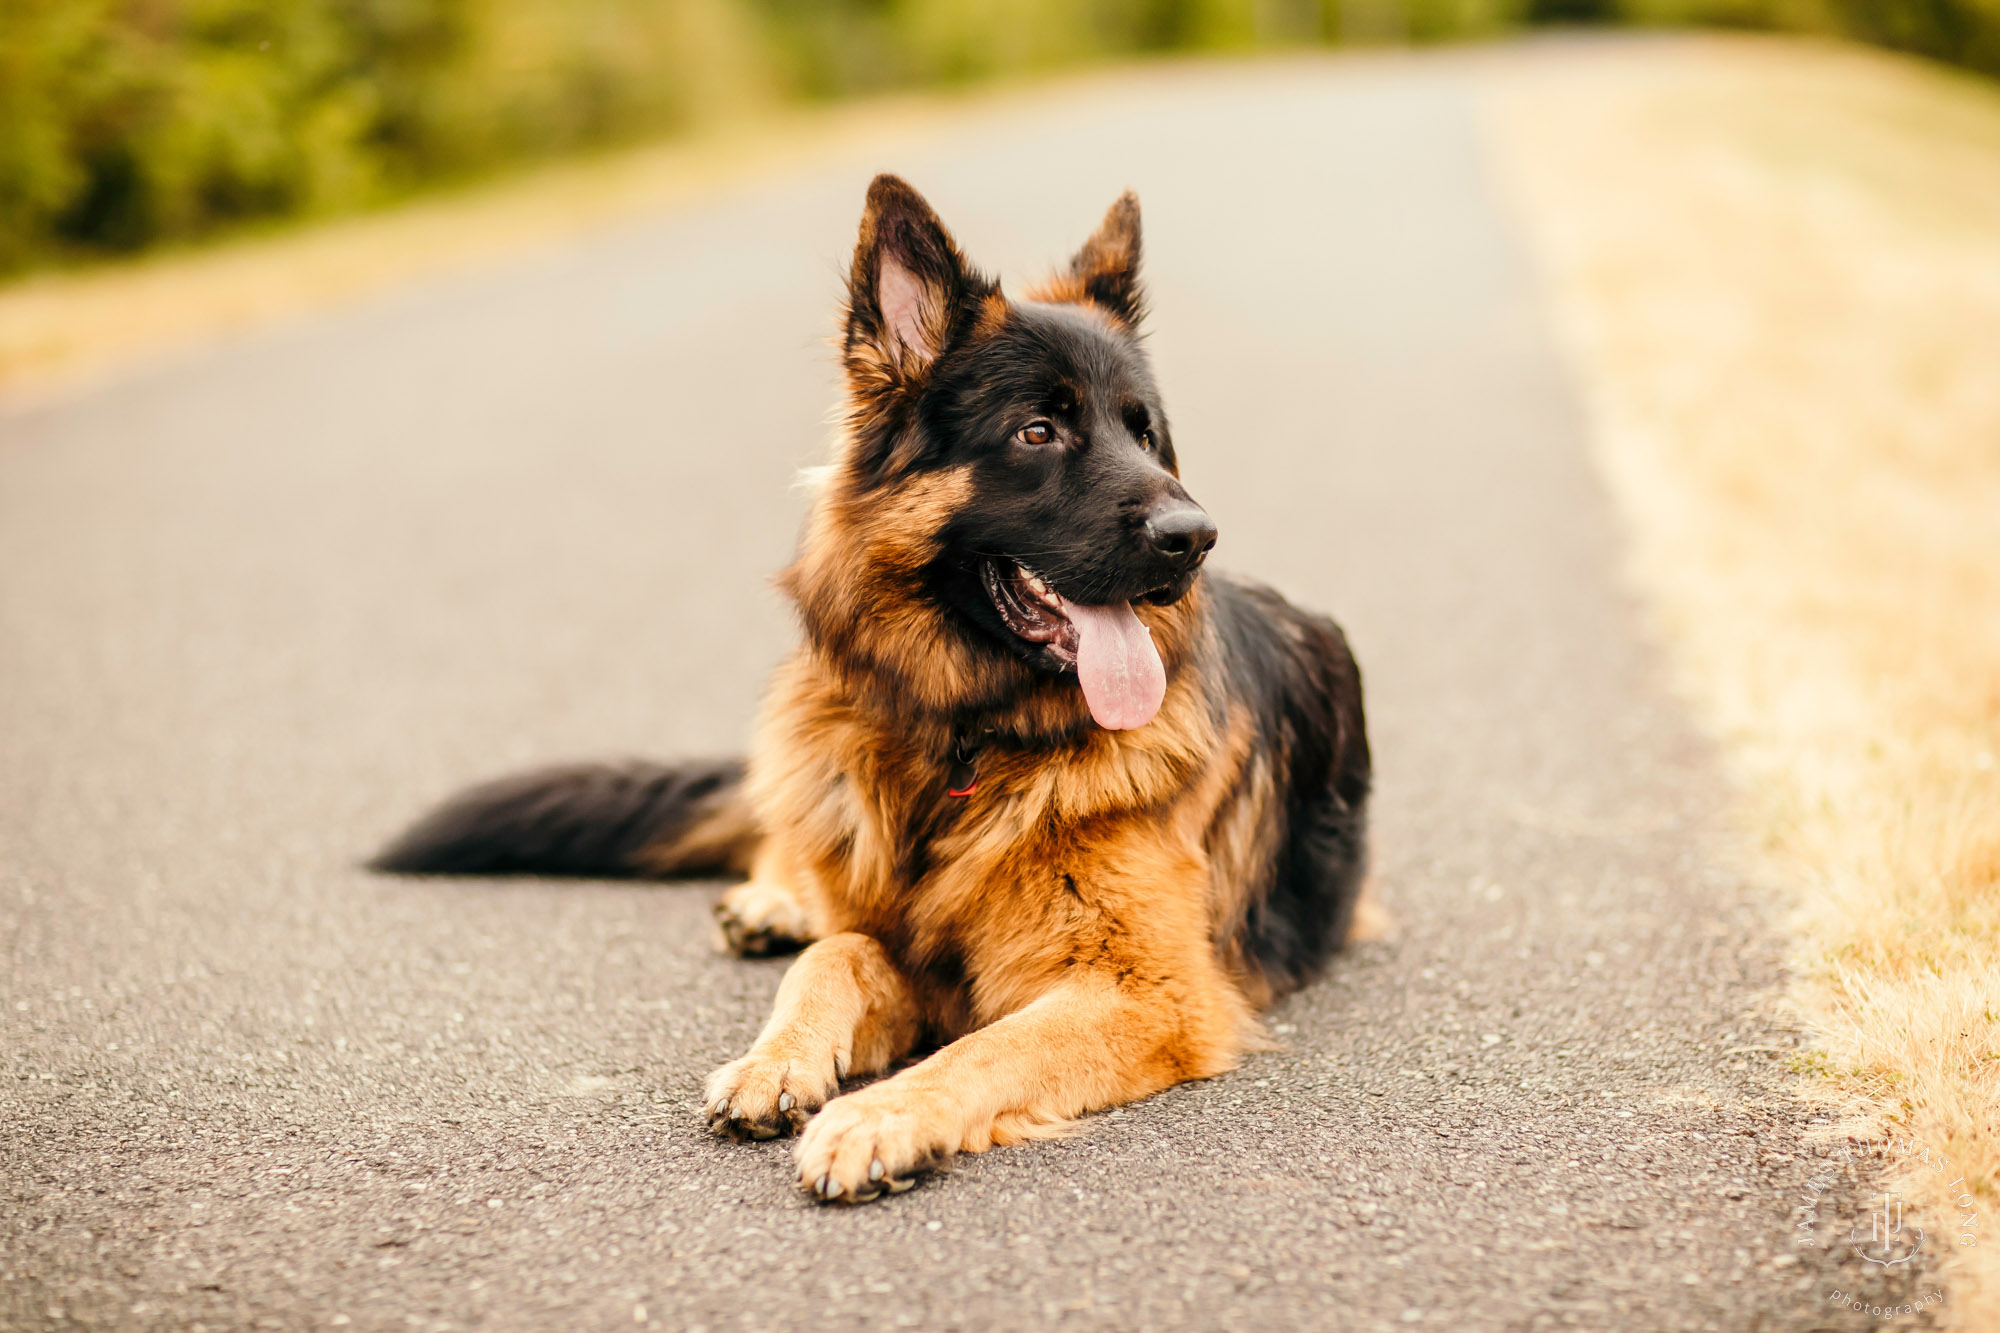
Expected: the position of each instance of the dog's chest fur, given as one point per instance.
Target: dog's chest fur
(983, 897)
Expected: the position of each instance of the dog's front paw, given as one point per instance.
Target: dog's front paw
(874, 1142)
(761, 1097)
(755, 920)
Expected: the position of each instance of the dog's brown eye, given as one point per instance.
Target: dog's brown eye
(1146, 440)
(1036, 432)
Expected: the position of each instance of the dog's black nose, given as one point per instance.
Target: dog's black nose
(1182, 533)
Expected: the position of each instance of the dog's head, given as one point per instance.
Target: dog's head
(1005, 510)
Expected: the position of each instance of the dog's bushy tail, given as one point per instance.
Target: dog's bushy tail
(617, 821)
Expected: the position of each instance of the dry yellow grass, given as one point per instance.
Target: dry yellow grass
(64, 328)
(1778, 266)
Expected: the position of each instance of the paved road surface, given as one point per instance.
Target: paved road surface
(259, 607)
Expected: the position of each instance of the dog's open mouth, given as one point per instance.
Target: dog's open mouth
(1123, 679)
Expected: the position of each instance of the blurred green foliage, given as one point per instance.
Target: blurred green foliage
(128, 122)
(124, 123)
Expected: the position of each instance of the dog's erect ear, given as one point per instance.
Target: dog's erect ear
(910, 295)
(1106, 271)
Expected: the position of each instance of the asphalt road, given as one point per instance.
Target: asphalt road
(259, 606)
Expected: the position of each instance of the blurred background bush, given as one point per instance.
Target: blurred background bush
(126, 123)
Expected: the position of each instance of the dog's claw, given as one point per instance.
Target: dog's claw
(875, 1169)
(763, 1097)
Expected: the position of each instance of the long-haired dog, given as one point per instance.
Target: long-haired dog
(1038, 795)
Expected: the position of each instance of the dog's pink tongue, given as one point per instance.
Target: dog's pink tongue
(1123, 681)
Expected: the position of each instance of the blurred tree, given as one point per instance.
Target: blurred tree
(128, 122)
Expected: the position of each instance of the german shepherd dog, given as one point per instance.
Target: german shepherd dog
(1037, 794)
